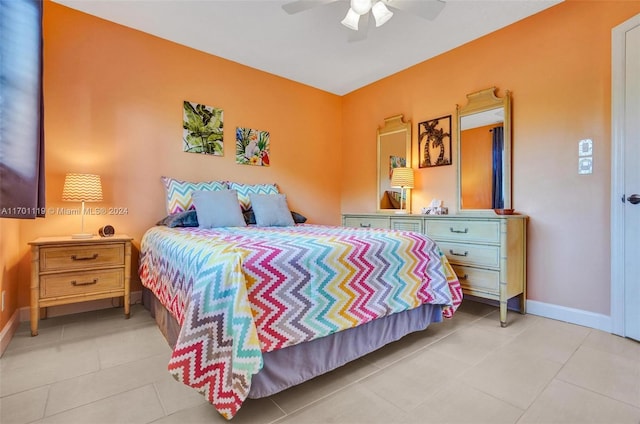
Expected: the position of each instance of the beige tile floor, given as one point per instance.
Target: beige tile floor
(100, 368)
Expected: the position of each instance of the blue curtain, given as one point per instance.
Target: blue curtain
(21, 110)
(498, 151)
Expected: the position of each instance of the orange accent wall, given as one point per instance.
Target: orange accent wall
(557, 64)
(113, 106)
(113, 100)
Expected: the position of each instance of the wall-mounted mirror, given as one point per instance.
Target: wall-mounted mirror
(484, 152)
(394, 150)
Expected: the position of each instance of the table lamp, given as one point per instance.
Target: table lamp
(402, 178)
(82, 188)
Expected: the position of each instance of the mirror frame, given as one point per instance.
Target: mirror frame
(393, 125)
(477, 102)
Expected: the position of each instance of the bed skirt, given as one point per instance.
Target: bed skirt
(287, 367)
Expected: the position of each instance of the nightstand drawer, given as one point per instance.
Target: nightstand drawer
(463, 230)
(482, 280)
(367, 222)
(77, 257)
(73, 283)
(471, 254)
(65, 270)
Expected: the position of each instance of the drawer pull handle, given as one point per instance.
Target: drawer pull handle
(466, 252)
(465, 231)
(86, 283)
(84, 258)
(463, 277)
(365, 225)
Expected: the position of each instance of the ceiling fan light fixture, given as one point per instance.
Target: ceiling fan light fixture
(351, 20)
(381, 13)
(361, 6)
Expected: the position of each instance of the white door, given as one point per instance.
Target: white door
(625, 259)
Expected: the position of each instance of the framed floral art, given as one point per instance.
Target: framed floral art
(252, 147)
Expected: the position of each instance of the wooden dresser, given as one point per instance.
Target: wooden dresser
(487, 252)
(66, 270)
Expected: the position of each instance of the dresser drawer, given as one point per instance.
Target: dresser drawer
(474, 279)
(74, 283)
(366, 222)
(471, 254)
(407, 224)
(76, 257)
(473, 231)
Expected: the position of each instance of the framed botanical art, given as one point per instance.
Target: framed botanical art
(434, 142)
(202, 129)
(252, 147)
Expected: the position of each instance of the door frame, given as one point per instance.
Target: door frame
(617, 171)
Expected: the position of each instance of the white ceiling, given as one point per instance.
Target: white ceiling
(311, 47)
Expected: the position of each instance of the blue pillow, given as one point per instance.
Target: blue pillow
(250, 217)
(218, 209)
(271, 210)
(181, 219)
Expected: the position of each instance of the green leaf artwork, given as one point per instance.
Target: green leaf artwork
(202, 129)
(252, 147)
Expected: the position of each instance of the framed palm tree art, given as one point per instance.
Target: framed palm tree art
(434, 142)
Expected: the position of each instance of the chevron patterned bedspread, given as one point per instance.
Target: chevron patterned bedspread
(238, 292)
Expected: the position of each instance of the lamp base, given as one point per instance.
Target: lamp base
(81, 236)
(401, 212)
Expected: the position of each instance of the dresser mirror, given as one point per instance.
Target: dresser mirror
(394, 150)
(484, 152)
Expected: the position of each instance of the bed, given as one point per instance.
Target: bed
(250, 311)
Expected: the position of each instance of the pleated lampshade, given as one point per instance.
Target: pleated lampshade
(82, 188)
(402, 177)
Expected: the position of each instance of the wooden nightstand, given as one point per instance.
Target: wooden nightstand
(66, 270)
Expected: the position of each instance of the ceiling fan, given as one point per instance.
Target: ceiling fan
(357, 17)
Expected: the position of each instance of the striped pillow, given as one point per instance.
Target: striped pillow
(245, 189)
(179, 192)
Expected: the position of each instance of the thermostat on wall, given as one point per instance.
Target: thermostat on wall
(585, 147)
(585, 165)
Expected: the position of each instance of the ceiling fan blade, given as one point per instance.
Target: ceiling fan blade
(363, 29)
(302, 5)
(427, 9)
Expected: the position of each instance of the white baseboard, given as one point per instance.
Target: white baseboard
(76, 308)
(571, 315)
(9, 330)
